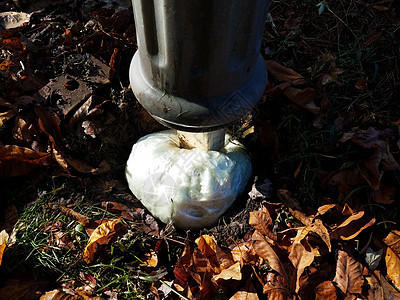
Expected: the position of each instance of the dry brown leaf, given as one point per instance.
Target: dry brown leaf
(63, 241)
(380, 288)
(16, 161)
(244, 253)
(302, 97)
(5, 116)
(274, 288)
(265, 251)
(280, 72)
(325, 291)
(58, 294)
(324, 209)
(231, 273)
(262, 221)
(49, 122)
(387, 194)
(3, 243)
(361, 84)
(20, 130)
(392, 258)
(301, 256)
(247, 292)
(349, 277)
(101, 235)
(217, 257)
(81, 219)
(352, 226)
(316, 227)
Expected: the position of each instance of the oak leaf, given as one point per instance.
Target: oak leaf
(348, 277)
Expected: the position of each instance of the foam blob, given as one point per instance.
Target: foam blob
(193, 188)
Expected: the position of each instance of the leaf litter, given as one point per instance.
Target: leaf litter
(320, 221)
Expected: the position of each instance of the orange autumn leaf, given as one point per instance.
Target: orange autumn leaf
(100, 236)
(3, 243)
(348, 277)
(151, 259)
(217, 257)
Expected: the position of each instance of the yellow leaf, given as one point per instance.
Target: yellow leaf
(151, 259)
(3, 243)
(100, 236)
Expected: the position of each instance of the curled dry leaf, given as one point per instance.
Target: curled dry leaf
(380, 288)
(21, 130)
(3, 243)
(49, 122)
(274, 288)
(217, 257)
(349, 277)
(16, 161)
(352, 226)
(100, 236)
(81, 219)
(265, 251)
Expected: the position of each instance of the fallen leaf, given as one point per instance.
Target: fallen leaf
(302, 97)
(352, 226)
(246, 292)
(280, 72)
(3, 243)
(301, 256)
(49, 122)
(380, 288)
(265, 251)
(100, 236)
(5, 116)
(151, 259)
(233, 272)
(12, 19)
(244, 253)
(294, 206)
(325, 291)
(392, 257)
(21, 130)
(348, 275)
(81, 219)
(387, 194)
(361, 84)
(369, 138)
(310, 279)
(274, 288)
(17, 161)
(210, 249)
(262, 221)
